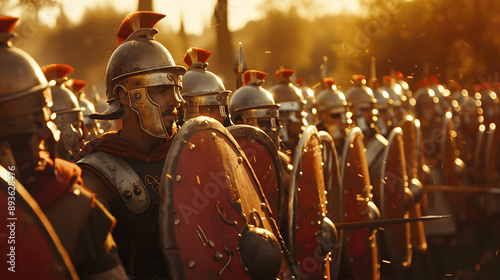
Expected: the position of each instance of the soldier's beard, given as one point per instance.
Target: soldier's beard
(169, 118)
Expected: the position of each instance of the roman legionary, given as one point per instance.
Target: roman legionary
(27, 147)
(143, 88)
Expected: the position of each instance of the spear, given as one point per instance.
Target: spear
(381, 223)
(324, 68)
(240, 66)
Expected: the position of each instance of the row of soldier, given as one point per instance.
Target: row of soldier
(370, 163)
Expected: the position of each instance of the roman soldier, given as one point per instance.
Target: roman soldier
(69, 117)
(27, 142)
(310, 98)
(333, 113)
(385, 117)
(203, 91)
(143, 88)
(292, 108)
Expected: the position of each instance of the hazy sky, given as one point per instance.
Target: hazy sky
(197, 13)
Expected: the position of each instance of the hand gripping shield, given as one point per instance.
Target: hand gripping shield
(32, 247)
(263, 156)
(310, 234)
(334, 196)
(215, 222)
(360, 246)
(394, 198)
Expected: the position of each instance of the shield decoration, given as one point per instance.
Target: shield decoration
(215, 222)
(335, 195)
(310, 233)
(263, 156)
(33, 249)
(413, 154)
(394, 198)
(361, 250)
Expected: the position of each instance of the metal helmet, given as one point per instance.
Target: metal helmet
(400, 80)
(92, 127)
(332, 110)
(26, 120)
(69, 117)
(203, 88)
(441, 92)
(385, 118)
(362, 103)
(253, 105)
(138, 63)
(292, 107)
(427, 106)
(310, 99)
(25, 97)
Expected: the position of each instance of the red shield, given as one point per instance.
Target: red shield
(215, 222)
(263, 156)
(307, 200)
(413, 154)
(334, 195)
(391, 192)
(31, 246)
(361, 245)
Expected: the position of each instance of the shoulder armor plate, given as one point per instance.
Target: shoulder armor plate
(122, 176)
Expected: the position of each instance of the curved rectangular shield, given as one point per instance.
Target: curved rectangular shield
(413, 153)
(361, 245)
(334, 195)
(215, 222)
(394, 198)
(31, 246)
(263, 156)
(310, 233)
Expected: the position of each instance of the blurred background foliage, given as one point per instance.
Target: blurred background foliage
(452, 39)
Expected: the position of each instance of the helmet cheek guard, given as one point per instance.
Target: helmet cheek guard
(149, 112)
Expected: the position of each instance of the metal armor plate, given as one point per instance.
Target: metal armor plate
(215, 222)
(263, 156)
(32, 247)
(393, 198)
(334, 196)
(361, 245)
(310, 233)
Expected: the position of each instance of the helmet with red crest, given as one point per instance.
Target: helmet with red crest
(253, 105)
(202, 90)
(362, 102)
(292, 107)
(138, 64)
(25, 99)
(69, 117)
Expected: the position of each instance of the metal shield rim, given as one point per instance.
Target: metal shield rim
(167, 238)
(326, 139)
(253, 132)
(391, 139)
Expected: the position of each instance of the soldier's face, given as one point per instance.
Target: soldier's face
(164, 96)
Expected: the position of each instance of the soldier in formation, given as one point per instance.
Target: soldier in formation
(367, 159)
(29, 138)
